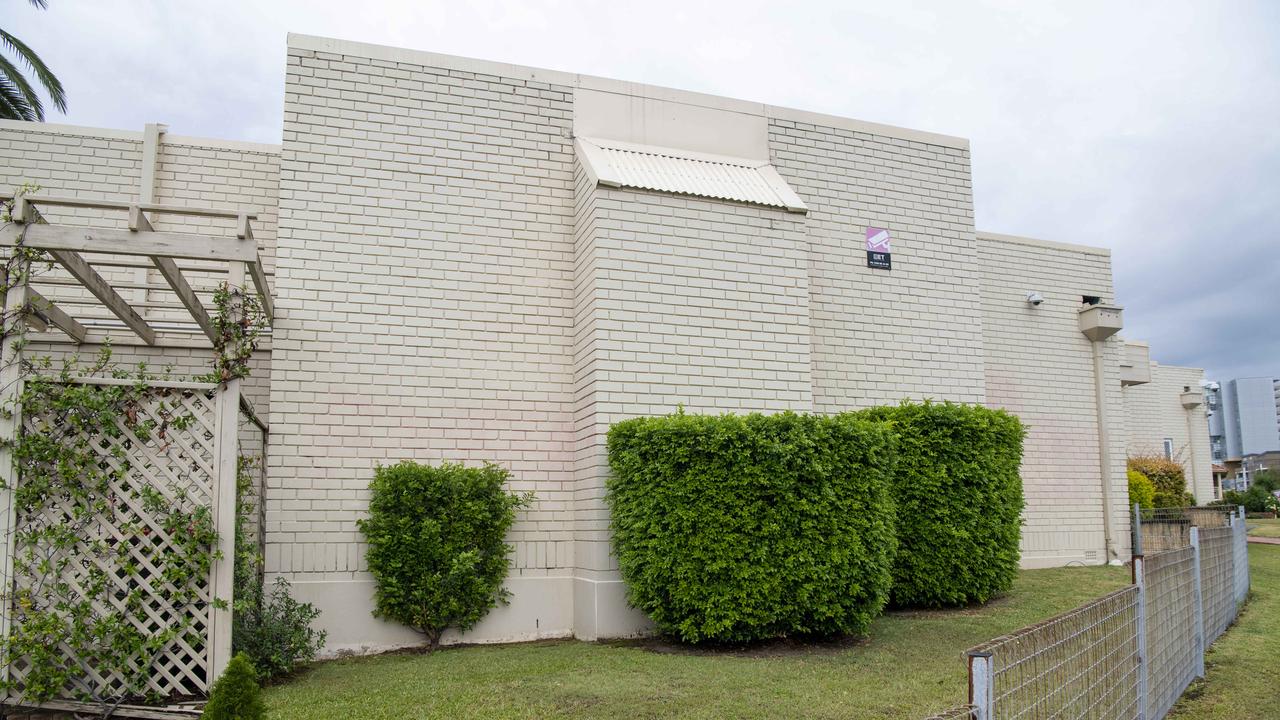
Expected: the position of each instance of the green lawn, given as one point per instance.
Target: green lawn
(910, 665)
(1263, 528)
(1240, 668)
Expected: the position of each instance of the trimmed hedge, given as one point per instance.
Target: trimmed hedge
(1141, 492)
(1168, 478)
(1167, 475)
(959, 502)
(738, 528)
(437, 547)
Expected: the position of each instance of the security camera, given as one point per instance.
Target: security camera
(1035, 298)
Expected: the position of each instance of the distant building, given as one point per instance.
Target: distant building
(1248, 421)
(1217, 424)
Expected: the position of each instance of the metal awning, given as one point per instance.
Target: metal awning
(648, 167)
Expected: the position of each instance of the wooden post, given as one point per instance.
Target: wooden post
(224, 509)
(15, 300)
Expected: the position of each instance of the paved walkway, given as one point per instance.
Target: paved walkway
(1264, 540)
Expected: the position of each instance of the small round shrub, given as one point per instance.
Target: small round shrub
(1141, 491)
(437, 545)
(959, 502)
(740, 528)
(1167, 476)
(236, 695)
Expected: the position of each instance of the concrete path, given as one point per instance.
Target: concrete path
(1264, 540)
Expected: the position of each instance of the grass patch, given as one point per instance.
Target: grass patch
(909, 665)
(1263, 528)
(1240, 668)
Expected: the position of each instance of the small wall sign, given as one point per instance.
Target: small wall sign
(878, 256)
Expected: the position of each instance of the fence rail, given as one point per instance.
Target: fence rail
(1133, 652)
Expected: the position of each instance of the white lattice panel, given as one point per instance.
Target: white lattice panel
(181, 464)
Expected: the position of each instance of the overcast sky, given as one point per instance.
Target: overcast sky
(1151, 128)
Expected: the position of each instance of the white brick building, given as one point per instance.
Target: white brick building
(482, 262)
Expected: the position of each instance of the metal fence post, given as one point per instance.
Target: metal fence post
(1248, 579)
(1141, 582)
(1199, 601)
(981, 681)
(1136, 524)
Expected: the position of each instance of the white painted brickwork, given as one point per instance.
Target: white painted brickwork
(1039, 366)
(425, 304)
(450, 285)
(881, 336)
(1155, 412)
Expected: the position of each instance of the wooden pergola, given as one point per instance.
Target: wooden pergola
(65, 301)
(67, 244)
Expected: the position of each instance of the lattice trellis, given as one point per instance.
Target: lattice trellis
(181, 464)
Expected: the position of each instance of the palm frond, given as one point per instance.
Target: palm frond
(13, 106)
(42, 4)
(11, 73)
(43, 74)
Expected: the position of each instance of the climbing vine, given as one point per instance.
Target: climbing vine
(237, 324)
(111, 550)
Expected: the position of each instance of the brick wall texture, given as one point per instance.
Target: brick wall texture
(1155, 412)
(452, 286)
(1040, 367)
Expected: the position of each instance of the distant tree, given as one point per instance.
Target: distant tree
(18, 99)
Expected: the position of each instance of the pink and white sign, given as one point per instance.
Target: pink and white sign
(877, 240)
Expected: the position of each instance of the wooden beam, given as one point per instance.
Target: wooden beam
(161, 208)
(15, 298)
(173, 275)
(44, 309)
(94, 283)
(138, 222)
(264, 290)
(243, 230)
(126, 242)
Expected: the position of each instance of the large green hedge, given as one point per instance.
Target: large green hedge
(736, 528)
(959, 502)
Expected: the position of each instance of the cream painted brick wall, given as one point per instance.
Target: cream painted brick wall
(682, 302)
(1039, 366)
(425, 299)
(1154, 412)
(910, 332)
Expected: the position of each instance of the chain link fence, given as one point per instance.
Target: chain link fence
(1132, 653)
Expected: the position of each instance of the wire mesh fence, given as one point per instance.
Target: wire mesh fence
(1241, 541)
(1082, 664)
(1132, 653)
(964, 712)
(1160, 529)
(1169, 583)
(1217, 580)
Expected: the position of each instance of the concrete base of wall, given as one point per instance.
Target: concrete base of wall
(1039, 561)
(600, 610)
(539, 608)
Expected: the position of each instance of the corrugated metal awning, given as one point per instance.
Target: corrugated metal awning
(620, 164)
